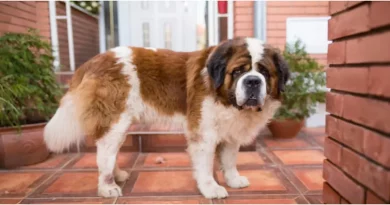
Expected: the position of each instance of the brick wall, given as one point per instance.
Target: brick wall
(357, 168)
(244, 18)
(279, 11)
(18, 16)
(85, 37)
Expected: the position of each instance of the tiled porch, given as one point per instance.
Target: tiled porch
(280, 171)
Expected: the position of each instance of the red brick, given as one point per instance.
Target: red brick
(276, 18)
(344, 201)
(351, 135)
(350, 22)
(278, 26)
(297, 10)
(330, 196)
(351, 163)
(378, 83)
(342, 184)
(372, 145)
(243, 10)
(316, 10)
(332, 127)
(376, 147)
(243, 33)
(244, 25)
(277, 33)
(368, 49)
(298, 4)
(348, 79)
(370, 112)
(379, 14)
(371, 198)
(336, 52)
(334, 103)
(373, 176)
(243, 18)
(352, 3)
(332, 150)
(243, 3)
(337, 6)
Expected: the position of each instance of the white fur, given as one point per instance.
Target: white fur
(107, 150)
(108, 146)
(233, 125)
(256, 50)
(241, 97)
(221, 124)
(136, 106)
(64, 130)
(218, 124)
(150, 48)
(228, 156)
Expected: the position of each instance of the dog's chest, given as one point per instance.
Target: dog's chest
(232, 125)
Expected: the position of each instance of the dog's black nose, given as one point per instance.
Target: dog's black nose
(252, 81)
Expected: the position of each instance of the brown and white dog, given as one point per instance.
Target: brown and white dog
(222, 95)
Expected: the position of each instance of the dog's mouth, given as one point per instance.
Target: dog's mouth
(252, 103)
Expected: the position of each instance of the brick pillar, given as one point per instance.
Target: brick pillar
(357, 168)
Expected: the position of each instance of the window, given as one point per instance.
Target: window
(146, 34)
(312, 31)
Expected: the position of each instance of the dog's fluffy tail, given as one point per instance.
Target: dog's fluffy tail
(64, 130)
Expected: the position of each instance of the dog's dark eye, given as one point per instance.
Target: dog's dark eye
(264, 72)
(238, 71)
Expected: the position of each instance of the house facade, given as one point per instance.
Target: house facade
(176, 25)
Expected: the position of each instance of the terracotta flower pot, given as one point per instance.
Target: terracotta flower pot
(22, 148)
(285, 128)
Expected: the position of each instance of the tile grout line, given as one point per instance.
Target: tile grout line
(42, 183)
(56, 171)
(282, 169)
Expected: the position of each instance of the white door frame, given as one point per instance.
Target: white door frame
(213, 23)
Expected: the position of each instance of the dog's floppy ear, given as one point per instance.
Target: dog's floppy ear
(216, 65)
(282, 69)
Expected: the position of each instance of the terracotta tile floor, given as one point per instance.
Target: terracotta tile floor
(283, 171)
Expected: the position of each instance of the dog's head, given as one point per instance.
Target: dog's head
(245, 72)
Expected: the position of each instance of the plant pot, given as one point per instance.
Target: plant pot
(22, 148)
(285, 128)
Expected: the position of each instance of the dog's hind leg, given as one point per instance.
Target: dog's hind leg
(107, 150)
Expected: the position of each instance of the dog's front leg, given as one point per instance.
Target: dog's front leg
(202, 154)
(227, 154)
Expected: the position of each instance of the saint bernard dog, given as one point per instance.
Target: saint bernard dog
(222, 96)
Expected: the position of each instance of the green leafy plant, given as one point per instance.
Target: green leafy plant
(29, 91)
(306, 85)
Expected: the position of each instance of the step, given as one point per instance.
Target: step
(153, 138)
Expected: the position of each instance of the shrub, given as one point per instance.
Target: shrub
(28, 89)
(306, 86)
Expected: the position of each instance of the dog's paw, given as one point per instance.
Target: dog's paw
(238, 182)
(109, 190)
(121, 175)
(213, 191)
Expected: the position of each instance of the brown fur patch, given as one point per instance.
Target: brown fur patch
(268, 63)
(100, 91)
(162, 75)
(196, 89)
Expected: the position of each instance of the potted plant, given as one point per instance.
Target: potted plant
(302, 92)
(29, 96)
